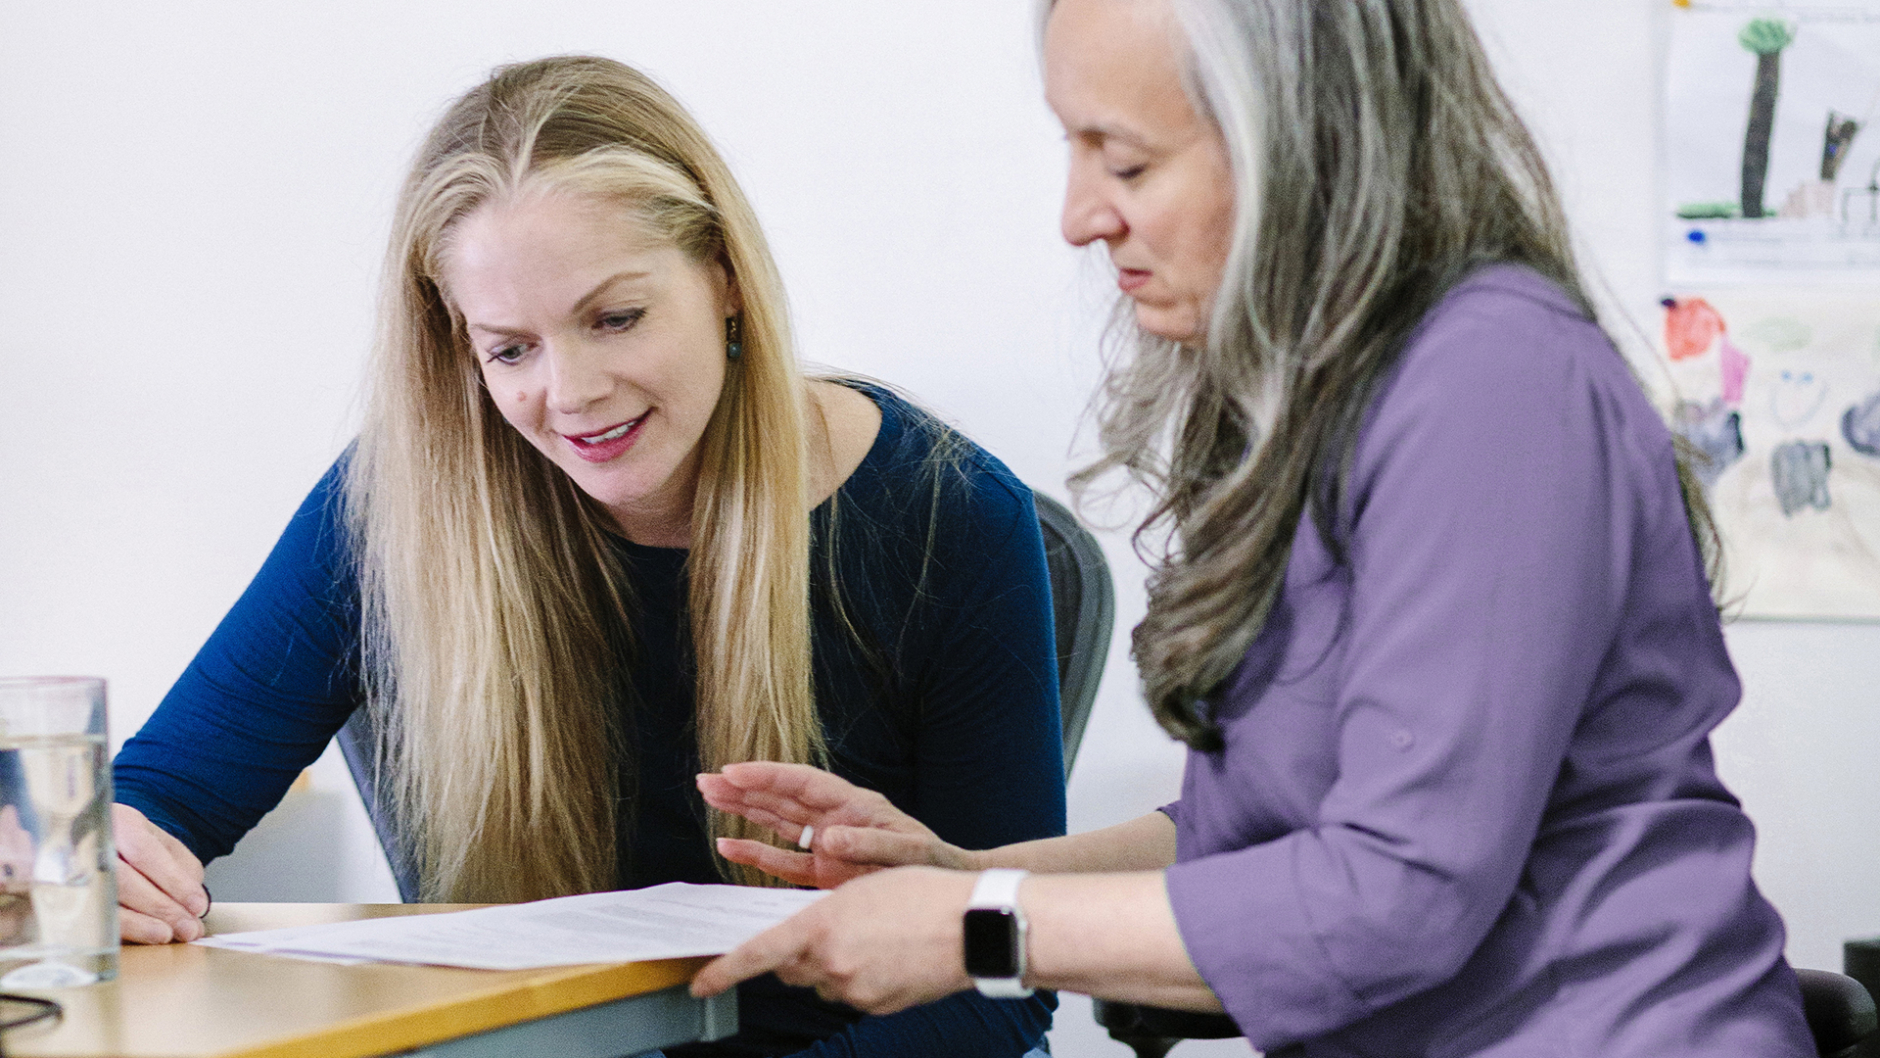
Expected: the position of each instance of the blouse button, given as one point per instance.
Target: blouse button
(1402, 739)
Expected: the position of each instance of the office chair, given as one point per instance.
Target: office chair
(1835, 1003)
(1839, 1010)
(1083, 602)
(359, 744)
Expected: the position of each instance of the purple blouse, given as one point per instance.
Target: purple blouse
(1467, 803)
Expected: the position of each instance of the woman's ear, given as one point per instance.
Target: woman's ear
(733, 298)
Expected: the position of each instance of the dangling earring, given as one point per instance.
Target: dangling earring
(734, 338)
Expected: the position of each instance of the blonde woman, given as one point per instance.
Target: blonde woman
(598, 534)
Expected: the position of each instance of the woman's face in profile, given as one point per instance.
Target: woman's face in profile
(1148, 176)
(602, 345)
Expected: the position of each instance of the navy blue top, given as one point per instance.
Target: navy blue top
(947, 703)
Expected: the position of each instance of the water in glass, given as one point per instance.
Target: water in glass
(58, 892)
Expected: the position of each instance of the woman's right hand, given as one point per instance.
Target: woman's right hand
(160, 893)
(856, 831)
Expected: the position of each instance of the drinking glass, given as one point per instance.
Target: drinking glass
(58, 887)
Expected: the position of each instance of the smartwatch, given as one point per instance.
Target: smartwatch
(995, 936)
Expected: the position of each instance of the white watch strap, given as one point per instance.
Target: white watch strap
(997, 889)
(1001, 987)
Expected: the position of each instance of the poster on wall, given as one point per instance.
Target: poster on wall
(1772, 163)
(1779, 390)
(1771, 335)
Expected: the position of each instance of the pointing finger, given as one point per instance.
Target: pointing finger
(775, 947)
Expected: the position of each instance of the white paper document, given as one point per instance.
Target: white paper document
(660, 922)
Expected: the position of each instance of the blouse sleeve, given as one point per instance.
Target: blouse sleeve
(262, 698)
(1496, 501)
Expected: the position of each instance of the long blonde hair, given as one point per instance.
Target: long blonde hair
(494, 612)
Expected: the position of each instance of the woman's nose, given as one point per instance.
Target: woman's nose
(575, 380)
(1088, 214)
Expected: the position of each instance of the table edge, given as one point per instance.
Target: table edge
(481, 1011)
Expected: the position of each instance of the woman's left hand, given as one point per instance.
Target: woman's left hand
(881, 943)
(857, 831)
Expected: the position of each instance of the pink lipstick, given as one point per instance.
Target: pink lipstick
(603, 445)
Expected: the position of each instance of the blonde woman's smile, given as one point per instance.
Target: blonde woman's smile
(606, 444)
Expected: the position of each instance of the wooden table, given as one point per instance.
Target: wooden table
(187, 1001)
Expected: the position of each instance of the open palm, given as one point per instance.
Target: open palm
(855, 831)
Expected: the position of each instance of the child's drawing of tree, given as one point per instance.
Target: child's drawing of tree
(1766, 37)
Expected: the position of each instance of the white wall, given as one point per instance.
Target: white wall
(193, 200)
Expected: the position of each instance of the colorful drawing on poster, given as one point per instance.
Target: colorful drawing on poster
(1861, 426)
(1772, 160)
(1779, 395)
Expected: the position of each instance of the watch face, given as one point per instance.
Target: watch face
(991, 943)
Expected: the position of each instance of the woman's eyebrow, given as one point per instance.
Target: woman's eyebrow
(605, 285)
(1102, 132)
(493, 328)
(580, 306)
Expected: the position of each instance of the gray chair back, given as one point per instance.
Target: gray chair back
(359, 744)
(1083, 599)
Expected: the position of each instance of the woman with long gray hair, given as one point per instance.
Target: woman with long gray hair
(598, 533)
(1433, 616)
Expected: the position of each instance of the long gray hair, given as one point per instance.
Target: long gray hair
(1376, 164)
